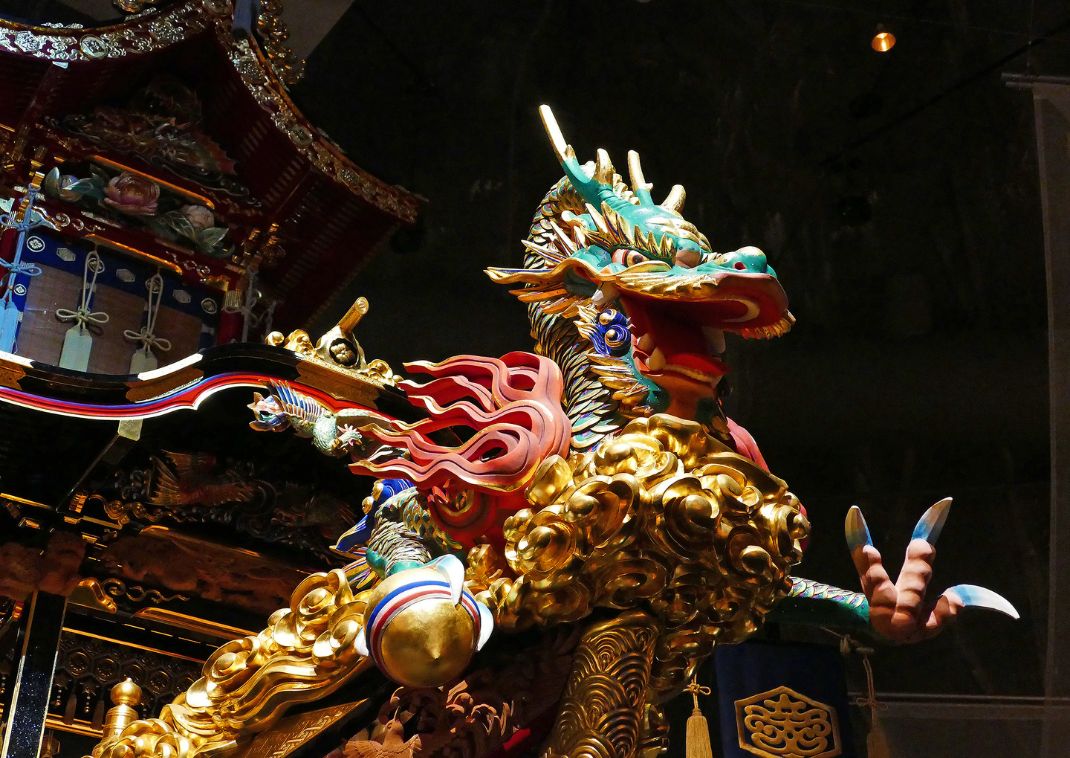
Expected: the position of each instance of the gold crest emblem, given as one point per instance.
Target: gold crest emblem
(783, 723)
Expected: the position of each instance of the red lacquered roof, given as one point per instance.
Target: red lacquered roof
(330, 213)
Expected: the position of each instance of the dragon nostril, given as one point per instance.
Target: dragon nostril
(739, 265)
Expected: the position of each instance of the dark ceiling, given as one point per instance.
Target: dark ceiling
(896, 195)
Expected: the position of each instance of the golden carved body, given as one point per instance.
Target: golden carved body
(606, 690)
(662, 518)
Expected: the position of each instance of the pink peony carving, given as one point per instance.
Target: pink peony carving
(198, 216)
(132, 195)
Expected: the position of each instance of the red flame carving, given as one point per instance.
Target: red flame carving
(508, 413)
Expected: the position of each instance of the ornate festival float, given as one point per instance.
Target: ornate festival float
(555, 540)
(162, 200)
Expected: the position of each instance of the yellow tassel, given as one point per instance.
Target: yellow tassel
(698, 731)
(876, 741)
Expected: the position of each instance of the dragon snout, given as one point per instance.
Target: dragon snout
(749, 260)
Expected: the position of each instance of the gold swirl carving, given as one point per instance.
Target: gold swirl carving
(306, 652)
(662, 517)
(603, 708)
(783, 722)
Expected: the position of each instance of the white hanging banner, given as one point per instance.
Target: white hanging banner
(143, 358)
(78, 342)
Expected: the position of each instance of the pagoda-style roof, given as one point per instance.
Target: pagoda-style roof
(299, 210)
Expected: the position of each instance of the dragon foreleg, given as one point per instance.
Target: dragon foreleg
(392, 547)
(605, 701)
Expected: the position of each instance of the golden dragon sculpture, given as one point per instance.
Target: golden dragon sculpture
(594, 485)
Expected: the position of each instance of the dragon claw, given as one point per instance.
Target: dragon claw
(855, 529)
(932, 521)
(972, 596)
(898, 609)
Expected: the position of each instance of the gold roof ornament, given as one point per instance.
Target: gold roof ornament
(338, 348)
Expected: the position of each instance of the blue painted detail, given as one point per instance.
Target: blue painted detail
(982, 597)
(177, 295)
(612, 334)
(355, 537)
(931, 523)
(359, 535)
(390, 488)
(856, 529)
(13, 301)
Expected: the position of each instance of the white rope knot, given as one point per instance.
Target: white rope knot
(147, 340)
(146, 337)
(18, 268)
(83, 315)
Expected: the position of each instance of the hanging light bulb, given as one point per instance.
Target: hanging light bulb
(883, 40)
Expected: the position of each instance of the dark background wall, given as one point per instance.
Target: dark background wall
(895, 194)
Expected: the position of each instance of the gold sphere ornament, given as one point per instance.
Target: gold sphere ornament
(422, 627)
(126, 692)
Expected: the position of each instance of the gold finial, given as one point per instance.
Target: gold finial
(352, 317)
(124, 696)
(126, 692)
(338, 348)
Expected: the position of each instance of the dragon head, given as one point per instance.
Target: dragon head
(648, 300)
(269, 414)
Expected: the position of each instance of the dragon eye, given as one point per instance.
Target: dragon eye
(628, 257)
(607, 317)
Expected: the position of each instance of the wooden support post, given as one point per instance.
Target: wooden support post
(1051, 104)
(41, 625)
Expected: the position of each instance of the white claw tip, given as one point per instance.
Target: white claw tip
(973, 596)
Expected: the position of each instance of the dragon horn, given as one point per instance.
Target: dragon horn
(587, 182)
(675, 200)
(595, 184)
(562, 149)
(603, 168)
(640, 186)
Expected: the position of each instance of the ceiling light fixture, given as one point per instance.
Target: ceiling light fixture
(883, 40)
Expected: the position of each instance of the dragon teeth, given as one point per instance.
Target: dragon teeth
(656, 361)
(781, 327)
(714, 339)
